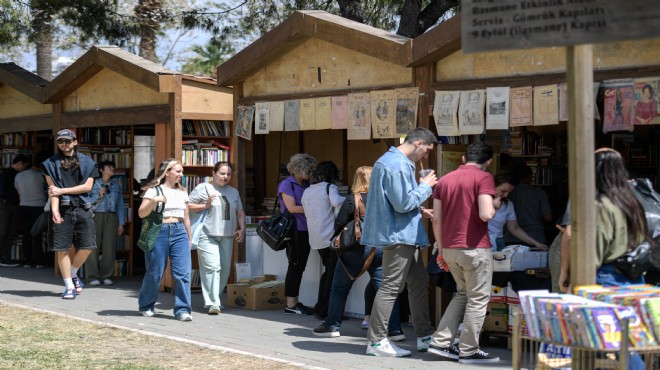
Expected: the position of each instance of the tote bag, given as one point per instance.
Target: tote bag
(198, 225)
(151, 226)
(349, 237)
(277, 231)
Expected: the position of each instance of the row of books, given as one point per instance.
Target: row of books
(122, 267)
(195, 127)
(105, 136)
(584, 321)
(191, 181)
(203, 156)
(9, 154)
(123, 157)
(16, 139)
(541, 175)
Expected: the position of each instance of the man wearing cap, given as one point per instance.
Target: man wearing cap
(70, 177)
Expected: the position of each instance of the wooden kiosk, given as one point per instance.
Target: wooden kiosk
(109, 93)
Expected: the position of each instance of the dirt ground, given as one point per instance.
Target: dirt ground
(36, 340)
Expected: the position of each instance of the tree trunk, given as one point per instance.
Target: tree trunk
(415, 20)
(43, 37)
(351, 9)
(149, 15)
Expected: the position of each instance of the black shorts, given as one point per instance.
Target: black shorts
(77, 227)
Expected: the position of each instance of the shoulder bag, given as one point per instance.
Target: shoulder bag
(277, 231)
(636, 262)
(349, 237)
(151, 225)
(197, 226)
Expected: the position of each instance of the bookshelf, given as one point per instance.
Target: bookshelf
(115, 144)
(16, 143)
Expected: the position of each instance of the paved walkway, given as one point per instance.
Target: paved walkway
(269, 334)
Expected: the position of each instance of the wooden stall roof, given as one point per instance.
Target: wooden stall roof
(147, 73)
(437, 43)
(303, 25)
(22, 80)
(202, 98)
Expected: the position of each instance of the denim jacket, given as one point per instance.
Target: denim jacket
(393, 215)
(52, 168)
(113, 201)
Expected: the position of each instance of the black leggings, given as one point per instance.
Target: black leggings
(297, 253)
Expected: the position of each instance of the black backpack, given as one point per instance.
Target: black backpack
(650, 199)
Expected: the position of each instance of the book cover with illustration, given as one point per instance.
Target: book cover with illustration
(607, 326)
(638, 333)
(651, 314)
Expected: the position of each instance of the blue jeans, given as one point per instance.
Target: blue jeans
(341, 285)
(607, 275)
(172, 242)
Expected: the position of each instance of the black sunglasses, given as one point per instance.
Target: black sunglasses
(64, 141)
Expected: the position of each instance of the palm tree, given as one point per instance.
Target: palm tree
(208, 58)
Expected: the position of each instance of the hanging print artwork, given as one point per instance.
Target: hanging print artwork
(647, 101)
(618, 97)
(546, 105)
(244, 123)
(406, 110)
(276, 116)
(383, 113)
(497, 108)
(323, 108)
(471, 112)
(563, 102)
(359, 116)
(521, 107)
(291, 115)
(307, 114)
(339, 112)
(261, 118)
(445, 107)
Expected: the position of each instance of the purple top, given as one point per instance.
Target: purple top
(296, 192)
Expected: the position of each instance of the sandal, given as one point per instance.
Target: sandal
(78, 284)
(69, 294)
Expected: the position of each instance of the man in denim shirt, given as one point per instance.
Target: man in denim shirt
(70, 176)
(393, 222)
(109, 220)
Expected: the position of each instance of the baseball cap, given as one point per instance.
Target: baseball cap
(66, 134)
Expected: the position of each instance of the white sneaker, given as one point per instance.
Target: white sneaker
(385, 348)
(185, 317)
(94, 283)
(423, 343)
(107, 282)
(148, 313)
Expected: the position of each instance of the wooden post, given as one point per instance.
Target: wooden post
(581, 171)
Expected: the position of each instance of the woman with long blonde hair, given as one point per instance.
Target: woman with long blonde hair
(174, 240)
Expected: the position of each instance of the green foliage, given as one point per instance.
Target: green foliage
(208, 58)
(13, 22)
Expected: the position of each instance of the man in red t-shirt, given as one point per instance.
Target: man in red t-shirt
(462, 206)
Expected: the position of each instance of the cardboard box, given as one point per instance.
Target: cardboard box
(268, 295)
(511, 295)
(497, 318)
(519, 258)
(512, 310)
(498, 294)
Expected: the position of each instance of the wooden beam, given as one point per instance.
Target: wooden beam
(22, 124)
(581, 171)
(175, 120)
(23, 81)
(281, 97)
(209, 116)
(117, 116)
(437, 43)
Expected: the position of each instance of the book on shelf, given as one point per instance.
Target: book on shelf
(205, 128)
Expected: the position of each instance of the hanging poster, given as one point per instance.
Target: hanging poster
(383, 114)
(546, 105)
(521, 107)
(406, 110)
(471, 112)
(307, 114)
(291, 115)
(261, 118)
(339, 112)
(244, 122)
(618, 97)
(445, 107)
(563, 102)
(323, 109)
(647, 101)
(276, 116)
(359, 116)
(497, 108)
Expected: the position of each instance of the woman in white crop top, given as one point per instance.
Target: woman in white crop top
(174, 241)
